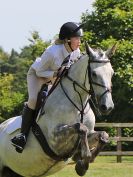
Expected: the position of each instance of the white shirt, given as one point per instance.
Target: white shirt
(51, 60)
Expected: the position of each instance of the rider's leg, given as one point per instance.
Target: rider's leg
(34, 85)
(19, 141)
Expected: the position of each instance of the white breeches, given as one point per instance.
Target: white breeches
(34, 85)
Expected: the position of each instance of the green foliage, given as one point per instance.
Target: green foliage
(110, 18)
(36, 47)
(111, 22)
(9, 100)
(128, 132)
(13, 71)
(3, 59)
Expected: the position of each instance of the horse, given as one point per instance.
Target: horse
(66, 120)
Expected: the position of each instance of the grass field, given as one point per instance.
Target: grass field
(102, 167)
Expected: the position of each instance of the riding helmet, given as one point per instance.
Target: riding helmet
(70, 29)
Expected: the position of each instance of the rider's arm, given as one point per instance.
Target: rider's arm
(43, 65)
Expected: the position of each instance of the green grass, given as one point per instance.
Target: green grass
(102, 167)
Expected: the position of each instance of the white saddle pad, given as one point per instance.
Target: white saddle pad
(14, 124)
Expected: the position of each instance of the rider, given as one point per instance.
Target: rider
(43, 70)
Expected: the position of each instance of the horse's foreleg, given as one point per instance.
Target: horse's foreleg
(82, 164)
(81, 130)
(97, 142)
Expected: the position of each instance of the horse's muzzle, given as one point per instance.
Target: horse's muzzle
(106, 110)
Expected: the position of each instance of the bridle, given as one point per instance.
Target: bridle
(92, 96)
(93, 99)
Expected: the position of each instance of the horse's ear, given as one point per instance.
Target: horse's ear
(89, 50)
(111, 50)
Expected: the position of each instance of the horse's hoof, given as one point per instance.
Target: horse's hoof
(81, 168)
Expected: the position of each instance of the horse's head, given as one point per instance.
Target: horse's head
(100, 73)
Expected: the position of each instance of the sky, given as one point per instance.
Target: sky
(18, 18)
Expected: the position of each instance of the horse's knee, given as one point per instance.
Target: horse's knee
(93, 139)
(102, 138)
(97, 137)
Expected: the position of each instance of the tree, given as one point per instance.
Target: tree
(36, 47)
(9, 99)
(112, 21)
(13, 71)
(111, 18)
(3, 59)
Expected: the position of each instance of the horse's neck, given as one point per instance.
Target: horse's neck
(79, 72)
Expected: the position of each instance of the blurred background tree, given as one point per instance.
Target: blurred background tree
(13, 71)
(110, 22)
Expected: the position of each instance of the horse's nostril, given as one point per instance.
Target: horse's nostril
(110, 109)
(104, 107)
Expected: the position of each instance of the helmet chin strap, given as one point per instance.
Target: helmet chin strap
(68, 45)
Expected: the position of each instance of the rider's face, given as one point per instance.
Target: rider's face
(75, 42)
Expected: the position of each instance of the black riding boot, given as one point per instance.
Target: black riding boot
(19, 141)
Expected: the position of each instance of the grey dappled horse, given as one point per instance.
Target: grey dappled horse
(68, 122)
